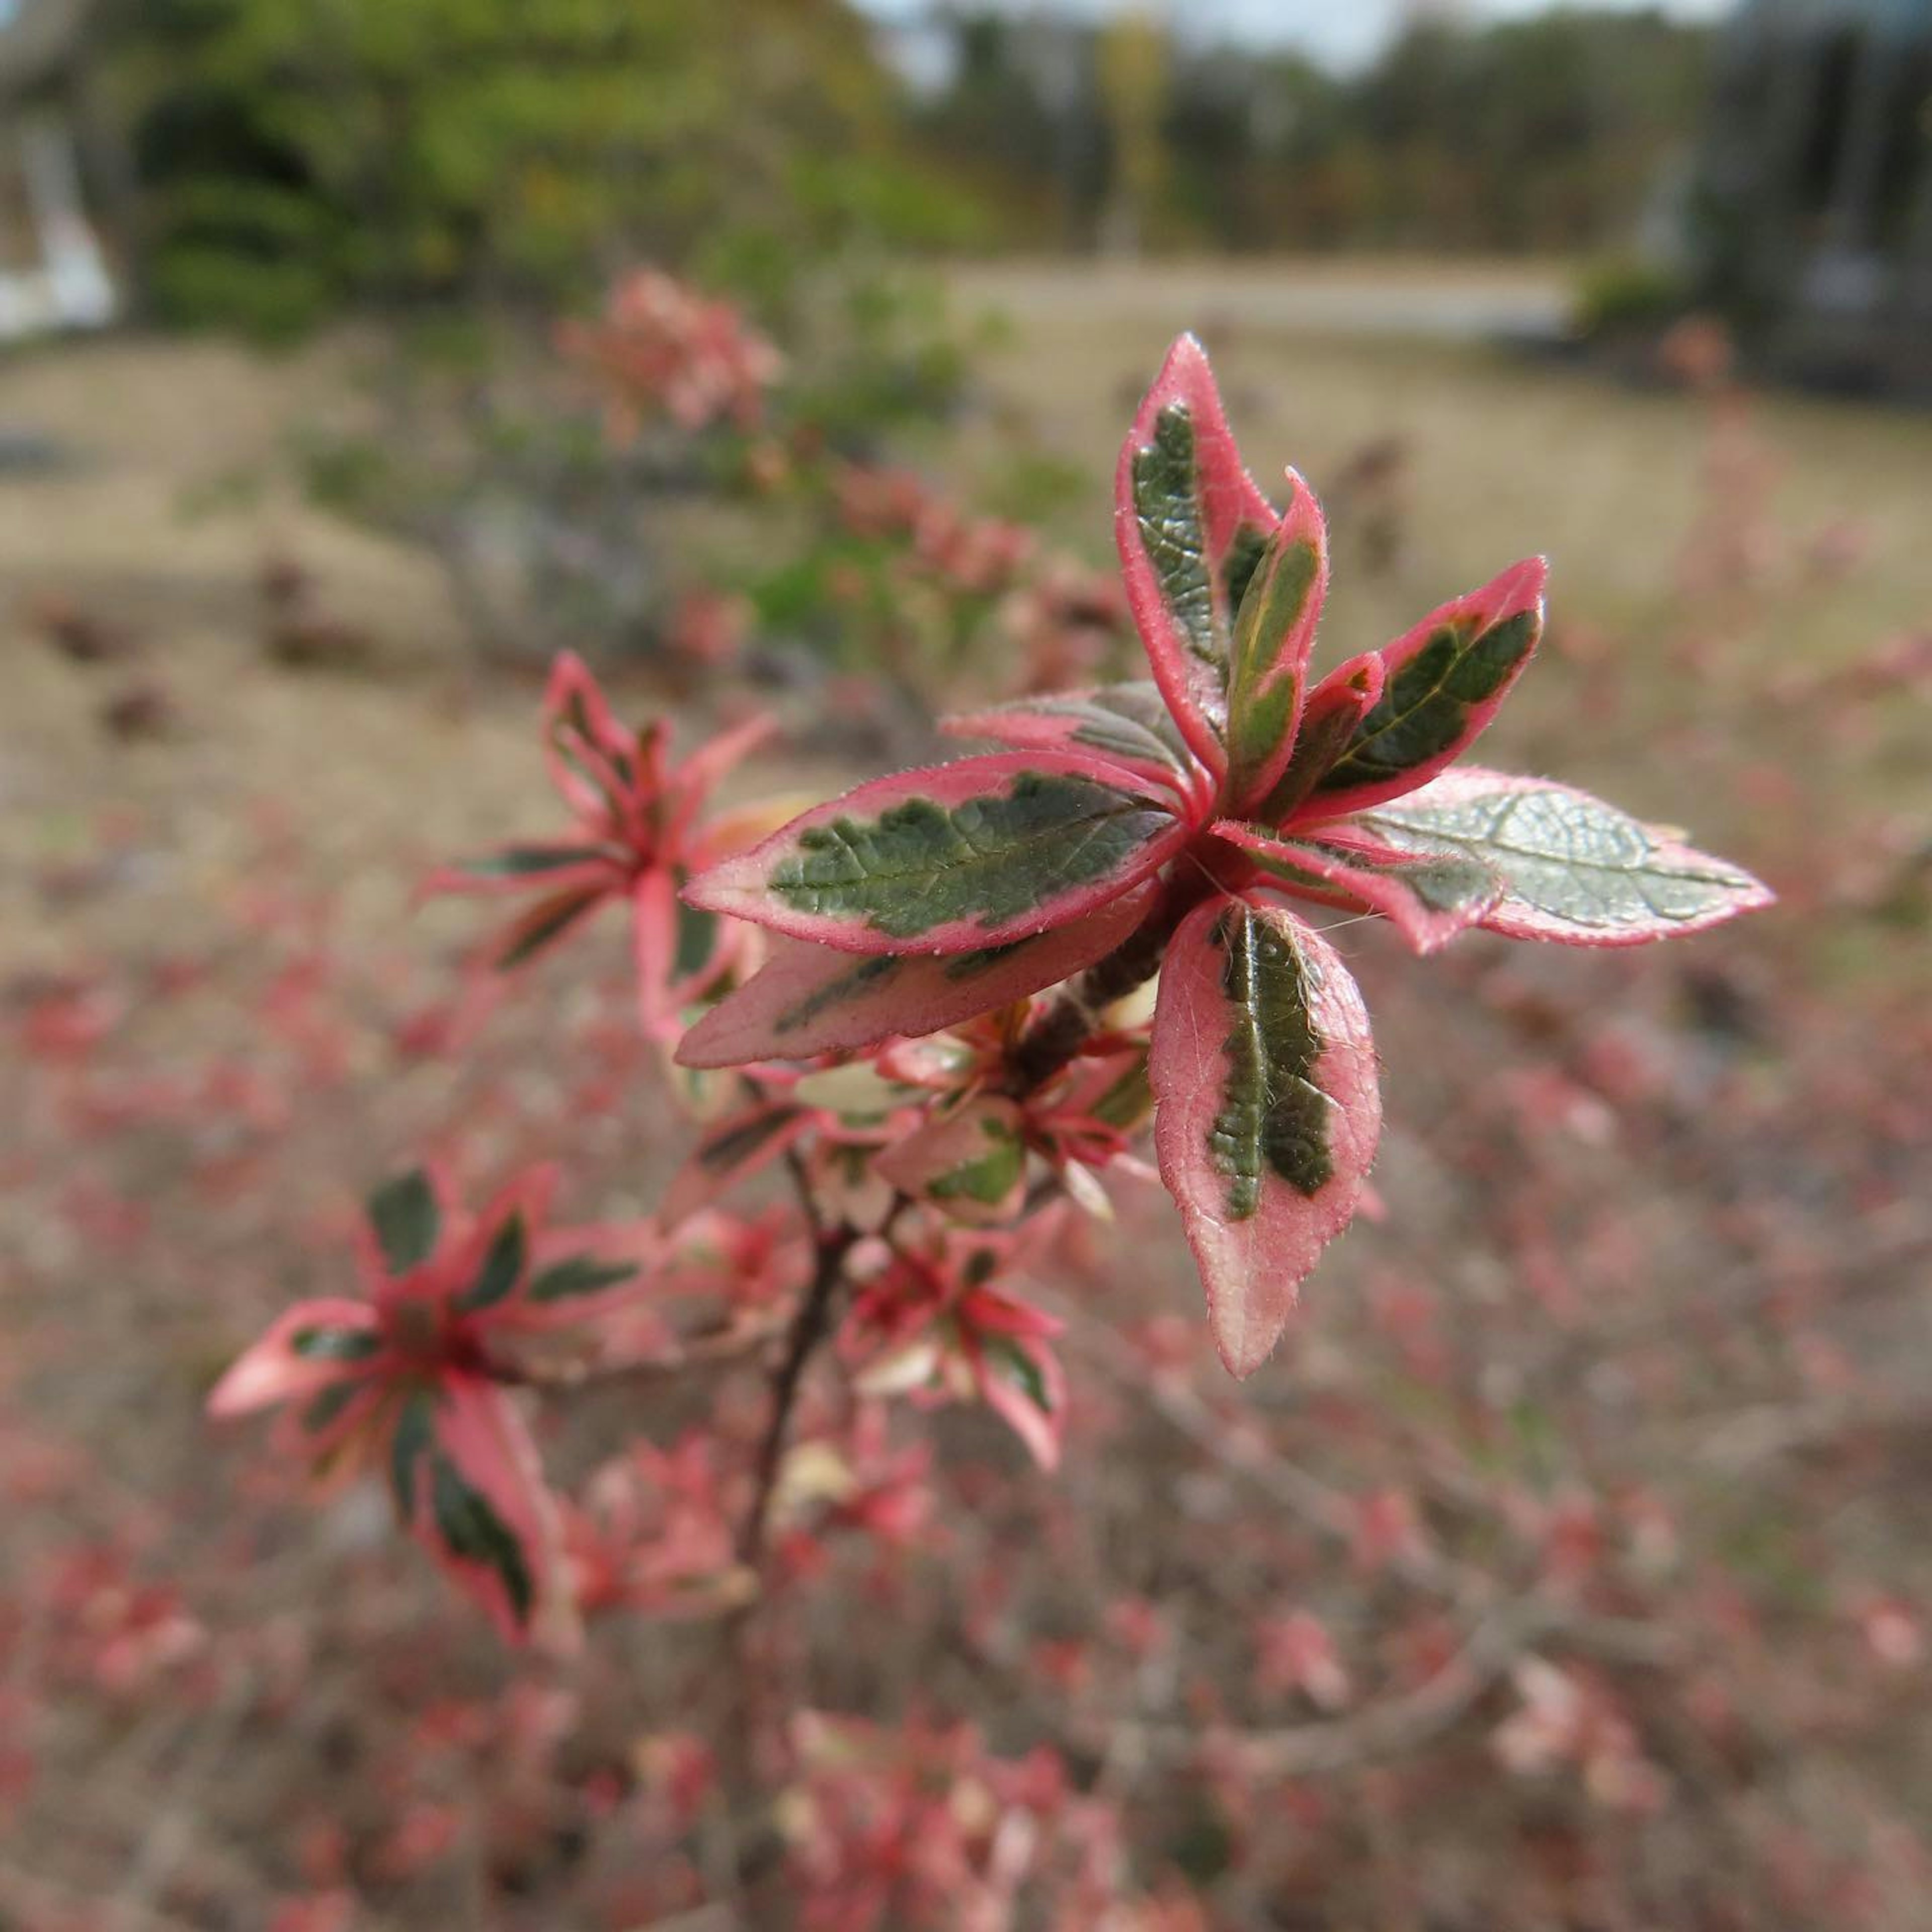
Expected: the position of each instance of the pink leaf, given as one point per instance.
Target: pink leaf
(1267, 1110)
(1191, 526)
(810, 999)
(952, 859)
(1444, 680)
(517, 868)
(1020, 1380)
(699, 774)
(680, 953)
(592, 757)
(535, 930)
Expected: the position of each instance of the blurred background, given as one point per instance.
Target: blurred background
(1569, 1567)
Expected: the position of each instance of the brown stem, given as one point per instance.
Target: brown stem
(1052, 1040)
(809, 1325)
(1057, 1035)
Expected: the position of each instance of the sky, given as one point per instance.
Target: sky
(1343, 33)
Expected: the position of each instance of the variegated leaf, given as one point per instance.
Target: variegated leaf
(407, 1216)
(952, 859)
(970, 1163)
(472, 1490)
(313, 1346)
(1191, 528)
(1267, 1110)
(1335, 708)
(1574, 869)
(1274, 631)
(809, 1000)
(1129, 725)
(1428, 897)
(731, 1150)
(1444, 680)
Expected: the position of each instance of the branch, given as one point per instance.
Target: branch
(809, 1326)
(1048, 1046)
(1498, 1641)
(1058, 1034)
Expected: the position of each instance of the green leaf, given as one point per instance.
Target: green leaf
(1130, 720)
(1167, 507)
(581, 1274)
(1335, 708)
(407, 1221)
(921, 865)
(1274, 633)
(471, 1530)
(988, 1178)
(502, 1268)
(549, 921)
(1130, 723)
(1445, 680)
(1020, 1369)
(1272, 1116)
(520, 862)
(334, 1345)
(416, 1429)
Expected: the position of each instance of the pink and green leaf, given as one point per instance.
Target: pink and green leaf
(1334, 709)
(474, 1496)
(1267, 1110)
(407, 1215)
(970, 1162)
(809, 1000)
(680, 950)
(952, 859)
(1428, 897)
(1191, 528)
(577, 1277)
(596, 765)
(1129, 725)
(731, 1150)
(500, 1271)
(313, 1346)
(1574, 869)
(536, 930)
(1020, 1379)
(1444, 681)
(1274, 632)
(516, 868)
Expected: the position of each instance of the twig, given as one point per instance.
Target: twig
(1046, 1047)
(809, 1325)
(1317, 1503)
(172, 1828)
(1500, 1640)
(1056, 1036)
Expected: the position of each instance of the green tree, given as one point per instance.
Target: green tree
(299, 152)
